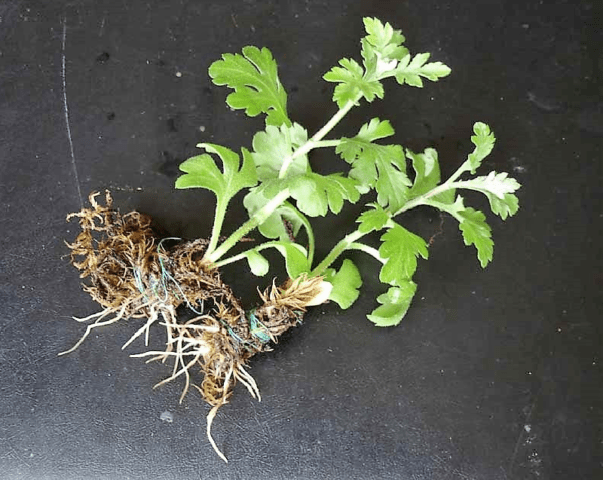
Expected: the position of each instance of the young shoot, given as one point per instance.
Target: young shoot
(284, 193)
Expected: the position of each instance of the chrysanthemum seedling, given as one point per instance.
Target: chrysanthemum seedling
(132, 273)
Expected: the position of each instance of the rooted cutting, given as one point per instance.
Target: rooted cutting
(134, 273)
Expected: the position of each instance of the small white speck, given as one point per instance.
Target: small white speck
(527, 428)
(525, 26)
(529, 373)
(166, 417)
(502, 98)
(178, 74)
(202, 128)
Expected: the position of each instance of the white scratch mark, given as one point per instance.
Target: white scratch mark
(520, 436)
(102, 26)
(66, 110)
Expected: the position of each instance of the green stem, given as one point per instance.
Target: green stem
(422, 199)
(327, 143)
(315, 141)
(337, 250)
(219, 215)
(373, 252)
(243, 255)
(257, 219)
(462, 169)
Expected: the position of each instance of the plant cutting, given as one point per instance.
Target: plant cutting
(133, 273)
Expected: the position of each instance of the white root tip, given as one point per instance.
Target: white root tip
(210, 419)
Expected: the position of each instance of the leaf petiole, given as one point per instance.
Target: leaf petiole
(342, 246)
(219, 215)
(373, 252)
(316, 140)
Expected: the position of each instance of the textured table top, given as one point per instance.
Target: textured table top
(493, 374)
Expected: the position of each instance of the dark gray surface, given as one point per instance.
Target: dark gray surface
(494, 374)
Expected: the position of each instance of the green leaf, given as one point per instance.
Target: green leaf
(427, 171)
(254, 78)
(386, 41)
(202, 172)
(382, 167)
(477, 232)
(257, 263)
(394, 305)
(504, 207)
(374, 219)
(484, 143)
(351, 83)
(273, 145)
(453, 208)
(499, 189)
(375, 130)
(410, 71)
(346, 283)
(316, 194)
(275, 225)
(296, 257)
(400, 249)
(352, 148)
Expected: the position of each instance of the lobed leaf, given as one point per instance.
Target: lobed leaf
(386, 41)
(316, 194)
(499, 189)
(400, 249)
(394, 305)
(374, 219)
(382, 167)
(476, 232)
(352, 83)
(410, 71)
(273, 145)
(346, 283)
(254, 78)
(427, 171)
(202, 172)
(484, 141)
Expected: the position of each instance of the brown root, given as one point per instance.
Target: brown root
(132, 274)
